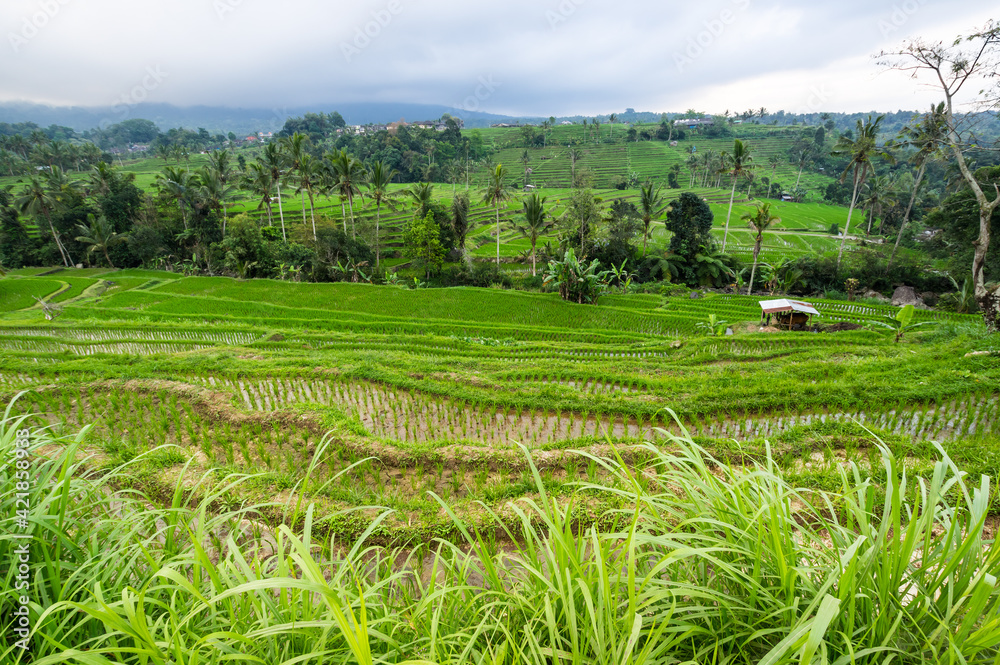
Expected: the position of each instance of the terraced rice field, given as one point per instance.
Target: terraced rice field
(251, 375)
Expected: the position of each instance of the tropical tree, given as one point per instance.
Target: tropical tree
(576, 281)
(928, 137)
(460, 219)
(525, 160)
(974, 58)
(294, 147)
(258, 181)
(652, 206)
(759, 221)
(739, 162)
(422, 195)
(774, 162)
(276, 162)
(612, 119)
(163, 152)
(309, 179)
(860, 150)
(692, 164)
(213, 189)
(40, 202)
(495, 194)
(879, 191)
(536, 223)
(379, 177)
(98, 235)
(101, 178)
(422, 241)
(221, 167)
(350, 176)
(801, 159)
(175, 182)
(574, 155)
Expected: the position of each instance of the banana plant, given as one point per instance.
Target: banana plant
(714, 327)
(902, 322)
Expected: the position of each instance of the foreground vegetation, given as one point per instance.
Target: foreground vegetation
(704, 562)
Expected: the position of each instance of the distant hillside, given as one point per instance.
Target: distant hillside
(218, 119)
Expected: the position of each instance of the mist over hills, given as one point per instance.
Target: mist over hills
(220, 119)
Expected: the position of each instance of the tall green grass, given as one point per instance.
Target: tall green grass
(708, 564)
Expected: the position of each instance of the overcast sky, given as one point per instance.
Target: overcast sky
(518, 57)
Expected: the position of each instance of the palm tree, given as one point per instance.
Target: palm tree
(379, 177)
(879, 190)
(294, 147)
(612, 119)
(275, 162)
(861, 151)
(20, 145)
(460, 219)
(99, 235)
(707, 160)
(802, 158)
(574, 155)
(525, 160)
(39, 201)
(535, 223)
(495, 194)
(308, 178)
(773, 161)
(692, 164)
(215, 191)
(422, 194)
(651, 203)
(927, 137)
(258, 181)
(740, 162)
(546, 127)
(102, 177)
(759, 221)
(350, 175)
(175, 182)
(220, 177)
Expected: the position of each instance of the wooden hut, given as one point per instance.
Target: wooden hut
(788, 313)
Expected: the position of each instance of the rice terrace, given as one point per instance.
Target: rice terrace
(634, 388)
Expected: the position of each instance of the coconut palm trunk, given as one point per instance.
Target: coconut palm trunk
(350, 205)
(378, 256)
(63, 252)
(732, 195)
(497, 208)
(906, 216)
(753, 271)
(850, 211)
(280, 213)
(312, 213)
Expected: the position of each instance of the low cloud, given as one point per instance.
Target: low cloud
(553, 57)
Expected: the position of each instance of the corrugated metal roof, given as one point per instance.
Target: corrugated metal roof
(785, 305)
